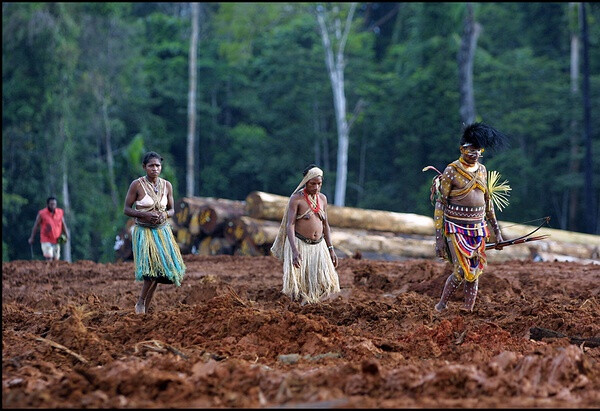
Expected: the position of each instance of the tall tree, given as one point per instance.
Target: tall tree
(570, 198)
(191, 155)
(466, 55)
(330, 26)
(590, 212)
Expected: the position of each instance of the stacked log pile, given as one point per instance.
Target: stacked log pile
(200, 223)
(210, 226)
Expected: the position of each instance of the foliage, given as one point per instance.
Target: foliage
(84, 83)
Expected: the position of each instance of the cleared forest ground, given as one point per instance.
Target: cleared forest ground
(228, 338)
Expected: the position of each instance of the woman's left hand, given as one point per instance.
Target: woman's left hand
(334, 258)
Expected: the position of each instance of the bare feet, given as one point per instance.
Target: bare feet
(140, 308)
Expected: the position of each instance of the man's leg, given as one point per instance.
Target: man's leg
(47, 251)
(470, 294)
(451, 285)
(149, 295)
(453, 280)
(140, 307)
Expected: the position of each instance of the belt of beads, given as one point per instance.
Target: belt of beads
(452, 210)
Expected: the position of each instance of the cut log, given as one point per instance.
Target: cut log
(266, 234)
(220, 245)
(191, 212)
(265, 206)
(351, 242)
(185, 240)
(204, 246)
(235, 229)
(271, 207)
(214, 246)
(229, 231)
(259, 231)
(212, 217)
(248, 248)
(186, 207)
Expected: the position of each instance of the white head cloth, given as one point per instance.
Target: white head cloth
(277, 248)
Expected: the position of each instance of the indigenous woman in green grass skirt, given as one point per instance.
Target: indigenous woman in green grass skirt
(156, 255)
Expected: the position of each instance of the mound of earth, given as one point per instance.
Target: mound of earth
(228, 337)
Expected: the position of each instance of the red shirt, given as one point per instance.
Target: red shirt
(50, 225)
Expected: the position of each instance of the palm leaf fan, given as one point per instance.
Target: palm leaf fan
(499, 192)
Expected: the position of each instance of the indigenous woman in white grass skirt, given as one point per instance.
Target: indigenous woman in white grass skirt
(304, 243)
(156, 255)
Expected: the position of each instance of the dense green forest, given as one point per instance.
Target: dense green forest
(87, 88)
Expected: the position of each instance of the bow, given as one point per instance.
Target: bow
(523, 239)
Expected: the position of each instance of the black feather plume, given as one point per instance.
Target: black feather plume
(483, 136)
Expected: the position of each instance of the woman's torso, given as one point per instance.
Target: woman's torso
(151, 200)
(309, 224)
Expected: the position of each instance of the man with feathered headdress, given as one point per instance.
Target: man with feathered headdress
(304, 242)
(463, 203)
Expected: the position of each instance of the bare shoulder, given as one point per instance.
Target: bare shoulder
(449, 170)
(296, 197)
(323, 198)
(134, 184)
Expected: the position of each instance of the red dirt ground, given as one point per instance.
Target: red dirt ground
(227, 338)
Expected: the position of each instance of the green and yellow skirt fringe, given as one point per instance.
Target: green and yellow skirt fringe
(156, 255)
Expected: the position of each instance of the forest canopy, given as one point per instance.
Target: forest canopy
(87, 88)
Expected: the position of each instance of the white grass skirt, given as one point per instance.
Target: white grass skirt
(316, 278)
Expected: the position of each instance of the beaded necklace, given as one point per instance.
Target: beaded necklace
(313, 201)
(154, 186)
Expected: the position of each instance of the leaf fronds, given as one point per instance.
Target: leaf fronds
(499, 192)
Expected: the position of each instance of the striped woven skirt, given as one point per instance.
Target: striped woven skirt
(468, 241)
(156, 255)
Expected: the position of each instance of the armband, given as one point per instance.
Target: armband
(438, 220)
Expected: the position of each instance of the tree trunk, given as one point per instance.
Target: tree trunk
(335, 67)
(590, 211)
(110, 162)
(571, 193)
(466, 55)
(67, 209)
(191, 164)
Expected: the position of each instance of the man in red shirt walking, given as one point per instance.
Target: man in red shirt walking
(52, 225)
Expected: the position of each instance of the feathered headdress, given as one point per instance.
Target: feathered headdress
(483, 136)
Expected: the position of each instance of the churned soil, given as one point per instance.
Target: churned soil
(228, 338)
